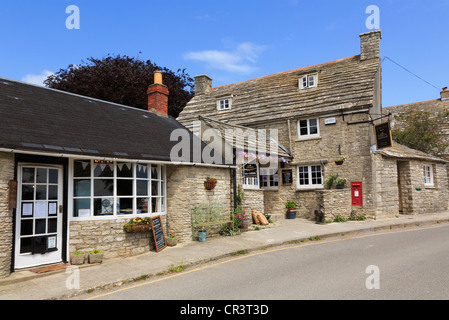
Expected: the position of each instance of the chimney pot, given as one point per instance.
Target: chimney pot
(157, 77)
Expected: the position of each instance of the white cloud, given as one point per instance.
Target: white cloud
(241, 59)
(37, 79)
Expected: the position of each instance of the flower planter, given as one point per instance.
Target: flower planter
(291, 214)
(77, 259)
(139, 228)
(339, 163)
(209, 185)
(340, 186)
(171, 242)
(95, 258)
(244, 224)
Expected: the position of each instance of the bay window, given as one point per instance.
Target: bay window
(111, 188)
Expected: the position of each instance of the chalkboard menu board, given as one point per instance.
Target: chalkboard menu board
(158, 233)
(383, 135)
(287, 177)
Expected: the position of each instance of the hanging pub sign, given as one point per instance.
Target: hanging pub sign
(250, 169)
(383, 135)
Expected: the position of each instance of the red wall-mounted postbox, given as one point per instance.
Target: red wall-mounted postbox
(357, 194)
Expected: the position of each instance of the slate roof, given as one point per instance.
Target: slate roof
(345, 84)
(34, 118)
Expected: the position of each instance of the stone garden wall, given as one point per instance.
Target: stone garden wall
(6, 217)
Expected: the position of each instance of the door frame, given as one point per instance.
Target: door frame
(37, 160)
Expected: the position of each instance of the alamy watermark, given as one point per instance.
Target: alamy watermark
(73, 20)
(373, 280)
(373, 21)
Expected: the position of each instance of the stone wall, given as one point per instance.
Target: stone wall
(6, 217)
(336, 203)
(185, 190)
(109, 237)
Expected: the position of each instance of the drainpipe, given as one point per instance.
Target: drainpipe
(234, 178)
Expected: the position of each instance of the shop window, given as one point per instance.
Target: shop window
(110, 188)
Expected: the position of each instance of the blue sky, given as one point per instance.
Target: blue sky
(230, 40)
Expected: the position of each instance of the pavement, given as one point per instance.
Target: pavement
(61, 284)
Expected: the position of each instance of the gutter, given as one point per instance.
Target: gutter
(75, 156)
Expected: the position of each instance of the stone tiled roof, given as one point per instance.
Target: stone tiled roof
(343, 84)
(228, 132)
(403, 152)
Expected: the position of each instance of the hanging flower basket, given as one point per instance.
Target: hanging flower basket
(210, 183)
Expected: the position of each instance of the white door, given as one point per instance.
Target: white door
(38, 234)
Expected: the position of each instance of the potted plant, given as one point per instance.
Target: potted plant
(210, 183)
(137, 224)
(340, 161)
(95, 256)
(202, 234)
(241, 218)
(341, 182)
(330, 180)
(268, 216)
(291, 210)
(171, 239)
(77, 257)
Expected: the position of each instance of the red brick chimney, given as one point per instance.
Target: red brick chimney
(158, 96)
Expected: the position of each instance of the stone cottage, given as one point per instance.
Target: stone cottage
(321, 114)
(74, 170)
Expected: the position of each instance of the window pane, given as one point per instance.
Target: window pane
(104, 170)
(142, 171)
(125, 206)
(155, 205)
(81, 188)
(28, 175)
(104, 206)
(41, 175)
(26, 245)
(154, 172)
(81, 168)
(26, 227)
(142, 205)
(103, 187)
(142, 187)
(124, 170)
(83, 205)
(124, 187)
(27, 192)
(53, 176)
(52, 225)
(154, 188)
(40, 226)
(41, 192)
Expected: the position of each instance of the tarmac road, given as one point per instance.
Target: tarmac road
(404, 264)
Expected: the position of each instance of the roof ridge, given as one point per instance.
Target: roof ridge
(293, 70)
(74, 94)
(408, 104)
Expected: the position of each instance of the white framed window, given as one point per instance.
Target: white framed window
(308, 128)
(269, 178)
(428, 176)
(251, 175)
(308, 81)
(310, 177)
(115, 189)
(224, 104)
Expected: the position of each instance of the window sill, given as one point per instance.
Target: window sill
(310, 189)
(308, 138)
(120, 216)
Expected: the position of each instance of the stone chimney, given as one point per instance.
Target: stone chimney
(370, 45)
(445, 94)
(203, 84)
(158, 96)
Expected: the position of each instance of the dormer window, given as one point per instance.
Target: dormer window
(224, 104)
(308, 81)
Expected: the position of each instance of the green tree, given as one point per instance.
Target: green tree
(123, 80)
(422, 131)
